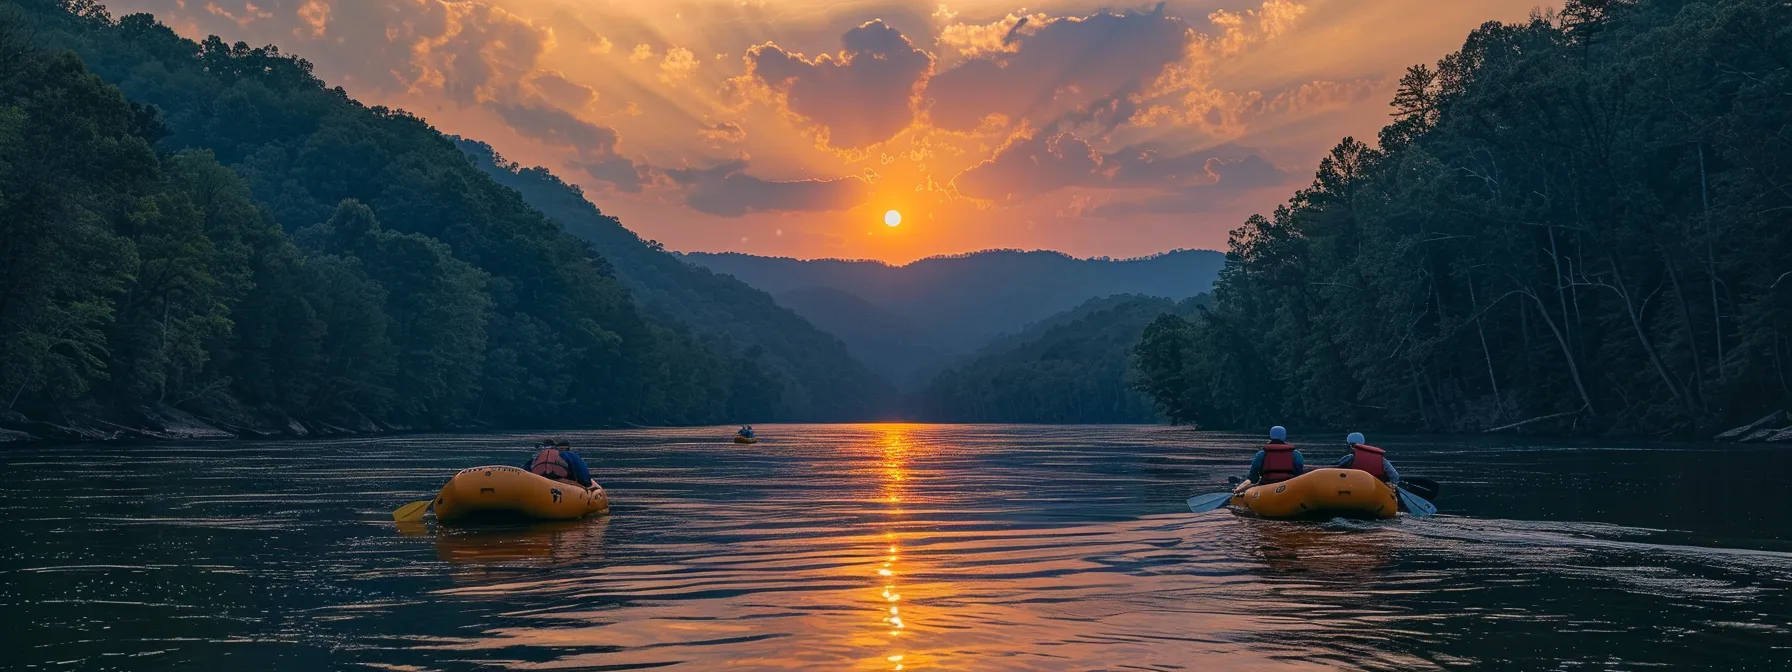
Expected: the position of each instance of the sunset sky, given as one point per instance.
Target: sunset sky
(790, 128)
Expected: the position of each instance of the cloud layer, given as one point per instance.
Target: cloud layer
(861, 96)
(980, 120)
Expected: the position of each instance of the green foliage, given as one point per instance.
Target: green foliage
(1071, 368)
(1579, 219)
(415, 291)
(808, 373)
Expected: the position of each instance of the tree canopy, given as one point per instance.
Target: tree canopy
(209, 227)
(1578, 221)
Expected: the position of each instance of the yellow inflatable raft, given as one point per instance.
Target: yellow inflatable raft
(1347, 493)
(499, 491)
(744, 439)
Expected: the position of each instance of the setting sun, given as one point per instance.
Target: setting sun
(892, 218)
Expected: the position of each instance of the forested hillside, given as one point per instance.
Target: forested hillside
(890, 344)
(1579, 222)
(818, 379)
(1071, 368)
(143, 275)
(961, 302)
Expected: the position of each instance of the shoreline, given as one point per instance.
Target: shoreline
(162, 425)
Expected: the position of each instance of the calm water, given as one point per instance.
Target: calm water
(891, 547)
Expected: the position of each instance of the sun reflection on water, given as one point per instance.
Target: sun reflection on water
(895, 461)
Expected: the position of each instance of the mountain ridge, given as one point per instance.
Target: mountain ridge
(965, 301)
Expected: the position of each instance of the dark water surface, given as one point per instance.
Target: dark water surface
(891, 547)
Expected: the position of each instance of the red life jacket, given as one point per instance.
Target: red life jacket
(1368, 458)
(1278, 463)
(548, 463)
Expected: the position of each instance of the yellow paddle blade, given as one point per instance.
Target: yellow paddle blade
(412, 512)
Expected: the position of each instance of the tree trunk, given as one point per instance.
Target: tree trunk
(1481, 331)
(1642, 337)
(1717, 315)
(1696, 391)
(1567, 352)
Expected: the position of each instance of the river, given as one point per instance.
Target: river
(892, 547)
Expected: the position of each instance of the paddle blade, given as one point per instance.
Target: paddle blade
(411, 513)
(1416, 505)
(1208, 502)
(1423, 487)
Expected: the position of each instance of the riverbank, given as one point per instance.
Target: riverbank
(166, 423)
(91, 423)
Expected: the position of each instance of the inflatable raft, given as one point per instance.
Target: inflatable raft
(509, 492)
(744, 439)
(1348, 493)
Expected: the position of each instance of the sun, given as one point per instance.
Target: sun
(892, 218)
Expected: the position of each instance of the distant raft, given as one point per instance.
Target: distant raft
(509, 492)
(1322, 493)
(745, 439)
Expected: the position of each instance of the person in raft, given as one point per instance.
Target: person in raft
(1369, 458)
(1275, 462)
(746, 431)
(556, 461)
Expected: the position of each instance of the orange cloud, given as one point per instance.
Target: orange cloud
(862, 96)
(1036, 163)
(728, 191)
(1052, 67)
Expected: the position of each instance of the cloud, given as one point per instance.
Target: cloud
(642, 52)
(726, 131)
(1030, 165)
(1229, 179)
(556, 88)
(678, 64)
(1230, 113)
(1042, 68)
(468, 50)
(727, 190)
(594, 146)
(1027, 166)
(978, 40)
(862, 96)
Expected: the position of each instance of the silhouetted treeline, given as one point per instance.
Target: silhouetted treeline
(816, 379)
(1071, 368)
(1581, 220)
(953, 305)
(147, 262)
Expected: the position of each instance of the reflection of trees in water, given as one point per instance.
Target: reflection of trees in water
(1321, 593)
(543, 543)
(1319, 551)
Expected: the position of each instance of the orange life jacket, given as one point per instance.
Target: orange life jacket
(1368, 458)
(548, 463)
(1278, 462)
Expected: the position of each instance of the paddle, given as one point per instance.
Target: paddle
(1416, 505)
(1208, 502)
(412, 512)
(1423, 487)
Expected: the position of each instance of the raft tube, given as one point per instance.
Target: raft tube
(509, 492)
(1322, 493)
(744, 439)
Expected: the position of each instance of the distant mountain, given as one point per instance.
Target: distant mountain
(888, 343)
(820, 378)
(1035, 331)
(963, 302)
(1074, 367)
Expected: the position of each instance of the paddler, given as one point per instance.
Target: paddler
(555, 460)
(1368, 458)
(1275, 462)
